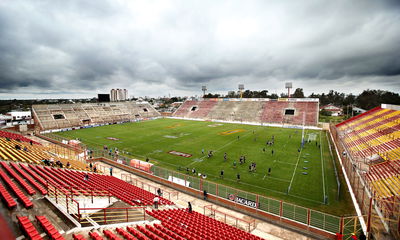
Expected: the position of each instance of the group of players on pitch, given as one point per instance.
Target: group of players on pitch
(242, 159)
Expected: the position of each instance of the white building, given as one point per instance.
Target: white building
(118, 95)
(17, 118)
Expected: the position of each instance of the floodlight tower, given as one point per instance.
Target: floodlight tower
(288, 85)
(204, 89)
(241, 88)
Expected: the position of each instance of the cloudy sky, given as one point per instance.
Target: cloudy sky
(69, 49)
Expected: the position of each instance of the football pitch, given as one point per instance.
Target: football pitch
(301, 175)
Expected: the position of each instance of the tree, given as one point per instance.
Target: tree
(369, 99)
(298, 93)
(325, 113)
(210, 95)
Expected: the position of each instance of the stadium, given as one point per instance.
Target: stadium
(93, 171)
(199, 120)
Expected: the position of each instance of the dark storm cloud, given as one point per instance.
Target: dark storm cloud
(153, 47)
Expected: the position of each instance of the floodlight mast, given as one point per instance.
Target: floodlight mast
(204, 89)
(241, 88)
(288, 85)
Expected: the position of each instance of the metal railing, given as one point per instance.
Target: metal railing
(148, 187)
(248, 226)
(112, 215)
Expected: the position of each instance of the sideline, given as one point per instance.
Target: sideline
(353, 197)
(322, 168)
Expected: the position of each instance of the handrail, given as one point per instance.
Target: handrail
(213, 211)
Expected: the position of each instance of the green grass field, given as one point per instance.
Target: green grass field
(154, 139)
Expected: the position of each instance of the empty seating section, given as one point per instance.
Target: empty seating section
(125, 234)
(20, 195)
(184, 109)
(202, 110)
(384, 180)
(56, 116)
(198, 226)
(73, 182)
(28, 228)
(21, 181)
(110, 235)
(16, 136)
(29, 179)
(7, 198)
(95, 236)
(252, 110)
(177, 224)
(51, 231)
(374, 132)
(78, 237)
(274, 112)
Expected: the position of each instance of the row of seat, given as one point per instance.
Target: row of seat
(51, 231)
(32, 233)
(16, 177)
(198, 226)
(7, 198)
(29, 179)
(28, 228)
(20, 195)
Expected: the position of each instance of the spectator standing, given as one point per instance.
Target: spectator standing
(189, 207)
(155, 201)
(111, 170)
(159, 192)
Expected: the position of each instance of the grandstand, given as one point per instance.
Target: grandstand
(370, 144)
(373, 135)
(282, 111)
(59, 116)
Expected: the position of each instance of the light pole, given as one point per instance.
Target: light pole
(204, 89)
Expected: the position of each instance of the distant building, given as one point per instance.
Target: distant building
(118, 95)
(335, 111)
(4, 120)
(16, 118)
(103, 97)
(358, 110)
